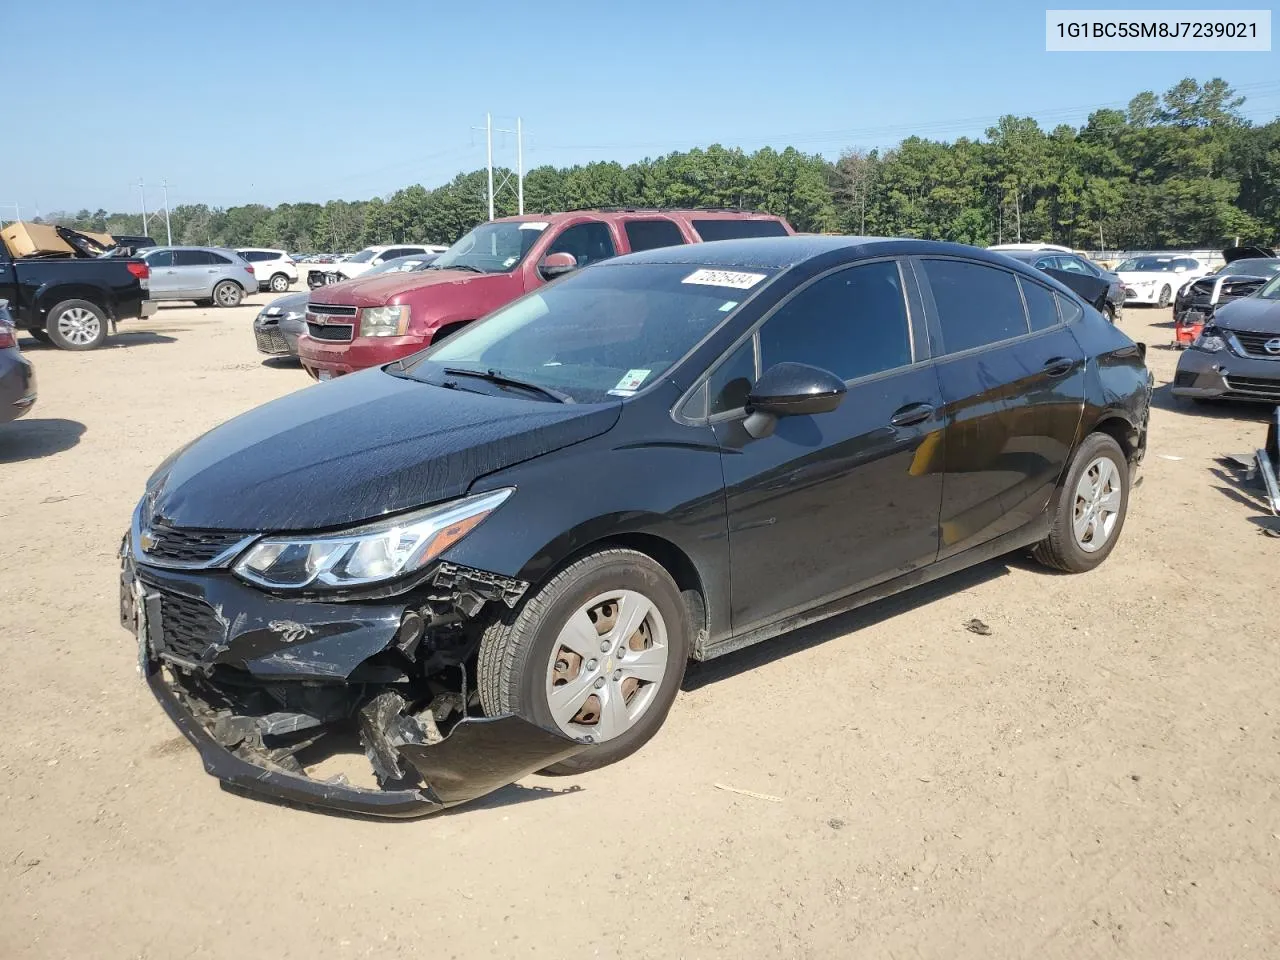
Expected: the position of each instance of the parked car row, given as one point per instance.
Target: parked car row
(361, 263)
(511, 543)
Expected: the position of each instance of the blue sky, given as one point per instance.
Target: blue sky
(238, 102)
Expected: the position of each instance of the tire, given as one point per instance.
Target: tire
(1165, 296)
(76, 325)
(278, 283)
(227, 293)
(40, 336)
(1063, 549)
(523, 655)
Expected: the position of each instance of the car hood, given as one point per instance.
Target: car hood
(1249, 313)
(289, 303)
(387, 287)
(357, 448)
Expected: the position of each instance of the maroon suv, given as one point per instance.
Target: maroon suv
(362, 324)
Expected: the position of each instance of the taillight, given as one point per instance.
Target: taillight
(249, 271)
(139, 269)
(8, 337)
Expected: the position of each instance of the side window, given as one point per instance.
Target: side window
(1069, 309)
(1040, 305)
(216, 258)
(163, 258)
(853, 323)
(652, 234)
(192, 258)
(737, 229)
(977, 304)
(1075, 265)
(1047, 263)
(588, 242)
(397, 252)
(732, 381)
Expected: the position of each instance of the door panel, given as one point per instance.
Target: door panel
(164, 276)
(833, 503)
(1012, 407)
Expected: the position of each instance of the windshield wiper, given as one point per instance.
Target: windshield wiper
(457, 266)
(494, 376)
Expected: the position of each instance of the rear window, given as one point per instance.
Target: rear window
(737, 229)
(652, 234)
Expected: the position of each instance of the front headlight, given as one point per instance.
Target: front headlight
(1210, 340)
(371, 553)
(384, 321)
(294, 315)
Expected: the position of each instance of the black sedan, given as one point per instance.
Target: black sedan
(497, 555)
(1100, 288)
(1237, 354)
(17, 378)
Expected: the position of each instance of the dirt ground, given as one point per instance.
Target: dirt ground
(1097, 777)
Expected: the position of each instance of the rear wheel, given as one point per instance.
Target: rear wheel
(1165, 296)
(76, 325)
(227, 294)
(1091, 508)
(597, 653)
(279, 283)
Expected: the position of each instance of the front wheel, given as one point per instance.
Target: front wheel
(597, 653)
(1165, 296)
(227, 294)
(77, 325)
(1091, 508)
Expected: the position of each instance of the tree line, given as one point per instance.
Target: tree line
(1179, 169)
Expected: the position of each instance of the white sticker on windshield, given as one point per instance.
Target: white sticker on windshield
(724, 278)
(728, 305)
(509, 262)
(632, 380)
(534, 225)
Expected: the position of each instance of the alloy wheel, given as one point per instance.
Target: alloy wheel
(79, 326)
(1097, 508)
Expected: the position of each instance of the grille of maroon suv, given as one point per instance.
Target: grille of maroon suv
(331, 310)
(169, 544)
(336, 332)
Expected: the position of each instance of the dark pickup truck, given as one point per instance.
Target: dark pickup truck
(69, 300)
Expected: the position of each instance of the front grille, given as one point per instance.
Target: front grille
(189, 628)
(188, 547)
(1254, 386)
(270, 341)
(1254, 343)
(334, 332)
(331, 310)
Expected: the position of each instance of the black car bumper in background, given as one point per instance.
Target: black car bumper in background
(17, 385)
(1227, 376)
(260, 684)
(274, 338)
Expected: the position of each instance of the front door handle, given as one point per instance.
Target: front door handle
(911, 413)
(1058, 366)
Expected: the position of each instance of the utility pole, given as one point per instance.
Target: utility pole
(520, 165)
(142, 192)
(167, 229)
(488, 128)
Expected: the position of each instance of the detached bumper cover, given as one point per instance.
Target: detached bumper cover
(479, 756)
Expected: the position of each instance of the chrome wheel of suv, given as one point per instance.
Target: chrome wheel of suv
(79, 326)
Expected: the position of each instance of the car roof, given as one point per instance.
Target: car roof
(611, 214)
(780, 253)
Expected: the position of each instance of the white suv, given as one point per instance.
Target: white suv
(372, 256)
(274, 269)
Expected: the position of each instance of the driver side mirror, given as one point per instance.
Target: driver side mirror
(791, 390)
(557, 264)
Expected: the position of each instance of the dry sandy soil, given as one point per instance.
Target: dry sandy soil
(1095, 778)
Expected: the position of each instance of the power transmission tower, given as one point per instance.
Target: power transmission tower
(142, 192)
(489, 131)
(167, 229)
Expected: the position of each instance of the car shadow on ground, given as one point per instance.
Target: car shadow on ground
(282, 363)
(135, 338)
(700, 674)
(1162, 398)
(32, 438)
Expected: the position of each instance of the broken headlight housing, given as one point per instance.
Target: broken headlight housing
(1210, 340)
(371, 553)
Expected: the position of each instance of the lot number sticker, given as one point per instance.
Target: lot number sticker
(724, 278)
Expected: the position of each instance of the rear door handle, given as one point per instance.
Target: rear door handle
(911, 413)
(1058, 366)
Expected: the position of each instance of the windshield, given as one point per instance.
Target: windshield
(1252, 268)
(402, 265)
(1272, 290)
(364, 256)
(608, 331)
(1148, 265)
(492, 247)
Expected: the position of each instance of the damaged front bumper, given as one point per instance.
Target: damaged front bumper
(259, 683)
